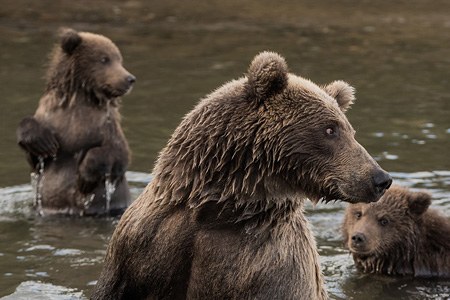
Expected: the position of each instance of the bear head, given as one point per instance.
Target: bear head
(88, 64)
(267, 138)
(388, 226)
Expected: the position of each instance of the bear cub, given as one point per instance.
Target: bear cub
(399, 235)
(74, 143)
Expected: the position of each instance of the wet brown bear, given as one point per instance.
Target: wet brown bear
(75, 138)
(223, 216)
(399, 235)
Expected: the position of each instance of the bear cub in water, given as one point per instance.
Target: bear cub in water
(399, 235)
(74, 141)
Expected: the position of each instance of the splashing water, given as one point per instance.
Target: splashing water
(110, 188)
(36, 183)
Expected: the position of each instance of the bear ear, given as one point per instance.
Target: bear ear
(70, 40)
(342, 92)
(419, 202)
(267, 75)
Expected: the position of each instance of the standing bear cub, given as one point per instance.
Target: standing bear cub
(399, 235)
(74, 141)
(223, 216)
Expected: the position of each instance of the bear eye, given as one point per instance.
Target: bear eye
(331, 131)
(358, 215)
(105, 60)
(383, 221)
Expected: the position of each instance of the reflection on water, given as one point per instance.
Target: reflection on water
(65, 255)
(395, 53)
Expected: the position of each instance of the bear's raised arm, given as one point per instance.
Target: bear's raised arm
(36, 139)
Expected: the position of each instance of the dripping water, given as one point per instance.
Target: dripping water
(36, 183)
(110, 187)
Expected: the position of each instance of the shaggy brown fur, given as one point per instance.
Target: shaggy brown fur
(223, 216)
(76, 129)
(399, 235)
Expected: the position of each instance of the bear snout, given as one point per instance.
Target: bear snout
(131, 79)
(128, 82)
(358, 239)
(381, 181)
(359, 243)
(119, 87)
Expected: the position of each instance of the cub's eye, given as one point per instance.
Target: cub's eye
(383, 221)
(105, 60)
(358, 215)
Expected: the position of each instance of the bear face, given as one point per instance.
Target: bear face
(89, 63)
(399, 235)
(272, 131)
(377, 229)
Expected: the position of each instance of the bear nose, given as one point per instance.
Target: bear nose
(382, 181)
(358, 239)
(131, 79)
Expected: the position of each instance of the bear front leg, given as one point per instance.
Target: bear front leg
(120, 165)
(93, 169)
(36, 140)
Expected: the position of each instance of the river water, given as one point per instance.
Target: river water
(396, 55)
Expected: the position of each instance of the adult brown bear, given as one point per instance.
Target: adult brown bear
(74, 141)
(223, 216)
(399, 235)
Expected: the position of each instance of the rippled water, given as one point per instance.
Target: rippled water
(395, 53)
(60, 258)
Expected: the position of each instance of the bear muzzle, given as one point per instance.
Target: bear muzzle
(122, 87)
(358, 243)
(381, 181)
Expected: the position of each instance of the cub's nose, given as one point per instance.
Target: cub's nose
(131, 79)
(358, 239)
(382, 181)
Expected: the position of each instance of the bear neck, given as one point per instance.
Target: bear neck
(235, 191)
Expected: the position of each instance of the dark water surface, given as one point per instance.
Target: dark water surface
(396, 55)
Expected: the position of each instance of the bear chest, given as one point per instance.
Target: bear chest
(81, 128)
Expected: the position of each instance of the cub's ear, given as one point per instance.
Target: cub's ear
(70, 40)
(267, 75)
(418, 202)
(342, 92)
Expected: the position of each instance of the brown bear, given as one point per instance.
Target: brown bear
(399, 235)
(223, 216)
(74, 142)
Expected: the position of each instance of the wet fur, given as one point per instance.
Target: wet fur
(76, 127)
(415, 242)
(223, 216)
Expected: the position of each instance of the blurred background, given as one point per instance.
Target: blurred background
(395, 53)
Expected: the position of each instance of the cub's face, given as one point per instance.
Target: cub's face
(103, 61)
(377, 229)
(97, 64)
